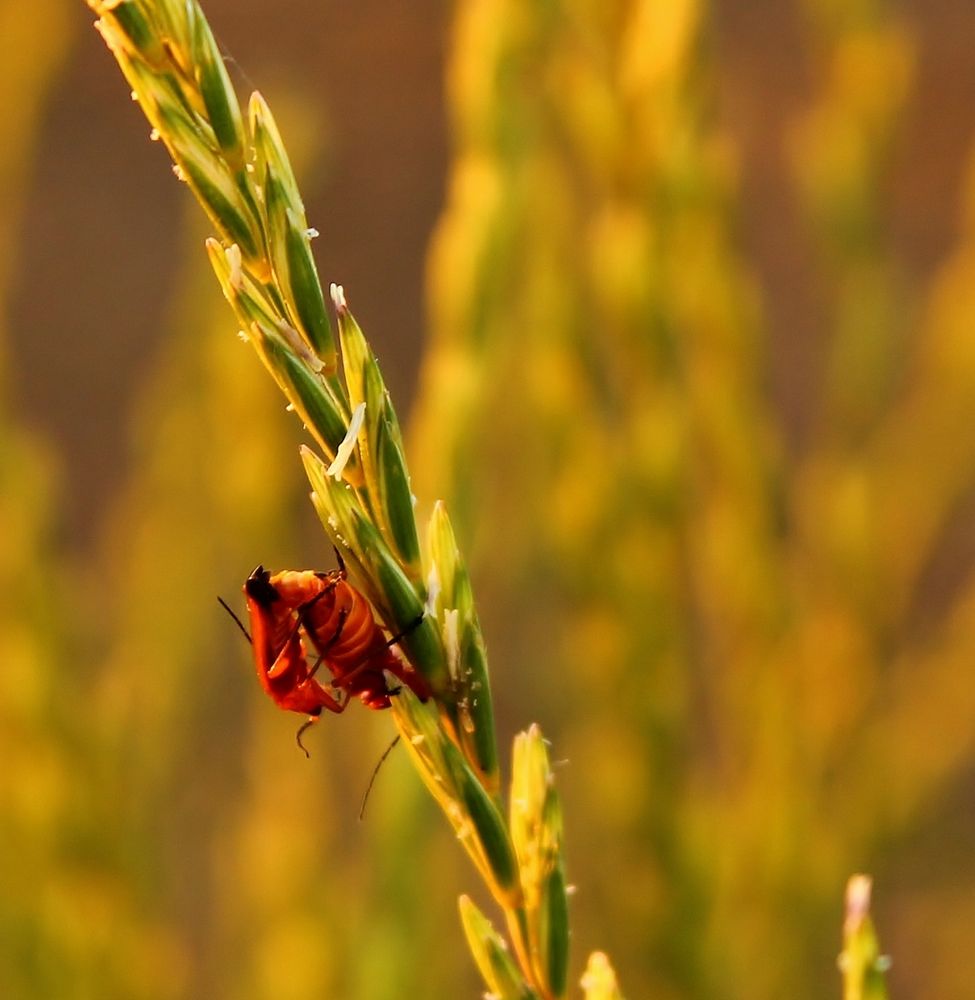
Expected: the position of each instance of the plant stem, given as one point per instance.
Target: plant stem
(240, 172)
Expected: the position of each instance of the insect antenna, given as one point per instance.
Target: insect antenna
(240, 624)
(375, 771)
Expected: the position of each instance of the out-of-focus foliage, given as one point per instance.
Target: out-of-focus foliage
(38, 771)
(746, 646)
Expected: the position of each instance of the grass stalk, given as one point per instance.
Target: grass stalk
(238, 168)
(862, 966)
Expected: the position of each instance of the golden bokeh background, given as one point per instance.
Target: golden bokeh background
(678, 300)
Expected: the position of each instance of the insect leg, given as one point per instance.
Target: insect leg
(412, 627)
(411, 679)
(332, 704)
(333, 639)
(403, 671)
(305, 725)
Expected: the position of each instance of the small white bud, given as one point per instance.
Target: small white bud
(433, 591)
(236, 265)
(347, 446)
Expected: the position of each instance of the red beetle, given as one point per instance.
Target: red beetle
(290, 608)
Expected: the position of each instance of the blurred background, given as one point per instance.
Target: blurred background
(677, 299)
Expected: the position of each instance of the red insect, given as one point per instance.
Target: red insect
(292, 608)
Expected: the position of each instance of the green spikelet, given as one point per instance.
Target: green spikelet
(491, 954)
